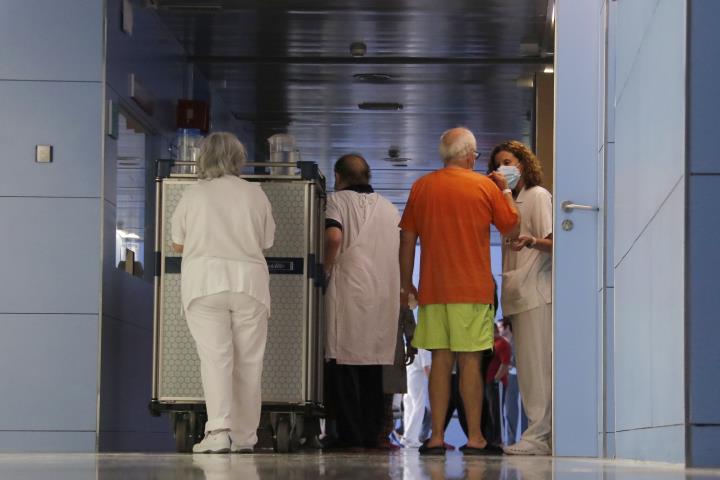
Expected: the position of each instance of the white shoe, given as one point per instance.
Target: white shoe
(214, 442)
(241, 449)
(523, 447)
(410, 444)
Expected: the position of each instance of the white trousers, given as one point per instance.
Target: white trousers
(414, 402)
(532, 331)
(230, 330)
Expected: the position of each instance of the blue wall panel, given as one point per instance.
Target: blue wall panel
(704, 303)
(49, 372)
(649, 241)
(704, 102)
(56, 442)
(65, 115)
(50, 255)
(51, 40)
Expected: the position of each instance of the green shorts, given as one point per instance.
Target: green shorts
(459, 327)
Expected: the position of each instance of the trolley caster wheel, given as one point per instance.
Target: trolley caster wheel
(184, 438)
(197, 426)
(283, 436)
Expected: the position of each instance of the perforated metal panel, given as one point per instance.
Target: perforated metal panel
(286, 361)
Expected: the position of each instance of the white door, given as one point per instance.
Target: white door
(579, 165)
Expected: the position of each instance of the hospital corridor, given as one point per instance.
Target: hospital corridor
(350, 239)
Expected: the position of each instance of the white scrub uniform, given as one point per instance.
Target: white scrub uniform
(363, 294)
(224, 224)
(416, 399)
(526, 298)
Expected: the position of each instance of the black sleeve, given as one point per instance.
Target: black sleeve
(329, 222)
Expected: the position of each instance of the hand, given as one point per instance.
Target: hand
(328, 267)
(521, 242)
(499, 180)
(405, 294)
(410, 354)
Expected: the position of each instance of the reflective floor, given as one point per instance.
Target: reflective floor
(406, 465)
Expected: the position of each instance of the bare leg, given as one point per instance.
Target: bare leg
(440, 371)
(471, 391)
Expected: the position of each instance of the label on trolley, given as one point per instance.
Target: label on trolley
(286, 265)
(277, 265)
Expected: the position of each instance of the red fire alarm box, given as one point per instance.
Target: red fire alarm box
(193, 114)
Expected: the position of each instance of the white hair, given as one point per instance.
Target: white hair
(221, 153)
(457, 145)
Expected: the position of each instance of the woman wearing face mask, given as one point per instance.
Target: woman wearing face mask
(526, 290)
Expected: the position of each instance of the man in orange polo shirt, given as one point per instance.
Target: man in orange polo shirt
(450, 211)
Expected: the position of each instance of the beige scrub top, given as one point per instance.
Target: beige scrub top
(224, 224)
(363, 294)
(527, 274)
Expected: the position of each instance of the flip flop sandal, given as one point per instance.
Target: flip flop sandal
(425, 450)
(485, 451)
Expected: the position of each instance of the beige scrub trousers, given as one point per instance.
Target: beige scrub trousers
(526, 299)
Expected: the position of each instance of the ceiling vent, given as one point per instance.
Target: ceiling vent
(373, 77)
(380, 106)
(187, 7)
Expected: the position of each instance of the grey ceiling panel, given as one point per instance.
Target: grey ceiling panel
(285, 66)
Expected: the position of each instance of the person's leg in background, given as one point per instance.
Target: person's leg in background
(455, 402)
(533, 337)
(491, 426)
(249, 333)
(414, 404)
(512, 409)
(503, 417)
(349, 421)
(485, 425)
(371, 410)
(209, 321)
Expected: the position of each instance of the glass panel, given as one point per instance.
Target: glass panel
(131, 193)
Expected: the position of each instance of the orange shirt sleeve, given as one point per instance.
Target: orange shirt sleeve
(407, 222)
(503, 216)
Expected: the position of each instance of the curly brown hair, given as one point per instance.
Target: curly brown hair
(532, 171)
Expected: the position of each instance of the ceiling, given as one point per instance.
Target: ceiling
(286, 66)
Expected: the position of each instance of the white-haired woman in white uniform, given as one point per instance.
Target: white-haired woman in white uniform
(221, 225)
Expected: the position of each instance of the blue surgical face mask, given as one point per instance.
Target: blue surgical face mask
(511, 174)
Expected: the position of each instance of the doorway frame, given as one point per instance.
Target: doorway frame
(580, 380)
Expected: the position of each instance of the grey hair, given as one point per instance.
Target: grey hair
(221, 153)
(458, 146)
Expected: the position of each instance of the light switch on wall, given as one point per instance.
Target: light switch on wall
(43, 153)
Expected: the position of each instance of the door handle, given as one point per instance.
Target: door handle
(569, 206)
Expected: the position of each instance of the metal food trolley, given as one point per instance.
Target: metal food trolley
(292, 383)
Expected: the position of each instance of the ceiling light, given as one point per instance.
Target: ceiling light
(372, 77)
(380, 106)
(549, 69)
(395, 158)
(191, 7)
(529, 49)
(358, 49)
(525, 82)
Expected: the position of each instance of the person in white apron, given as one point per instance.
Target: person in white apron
(362, 300)
(526, 292)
